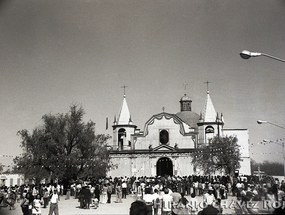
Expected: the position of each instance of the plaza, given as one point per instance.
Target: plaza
(71, 206)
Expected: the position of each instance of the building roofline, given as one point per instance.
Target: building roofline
(124, 125)
(147, 151)
(235, 129)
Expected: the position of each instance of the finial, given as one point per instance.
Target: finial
(217, 117)
(163, 108)
(115, 120)
(130, 120)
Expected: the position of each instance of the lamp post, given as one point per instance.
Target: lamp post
(266, 122)
(247, 54)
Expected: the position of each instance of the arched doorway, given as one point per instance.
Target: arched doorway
(164, 167)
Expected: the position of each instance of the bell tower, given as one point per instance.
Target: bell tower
(210, 123)
(123, 128)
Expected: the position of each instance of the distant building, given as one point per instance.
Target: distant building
(164, 146)
(11, 180)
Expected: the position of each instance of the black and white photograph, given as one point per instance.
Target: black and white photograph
(142, 107)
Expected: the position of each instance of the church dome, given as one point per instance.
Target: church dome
(189, 117)
(185, 98)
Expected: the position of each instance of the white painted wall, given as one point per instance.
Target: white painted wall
(11, 180)
(174, 135)
(243, 141)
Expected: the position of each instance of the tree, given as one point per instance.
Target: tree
(221, 154)
(63, 148)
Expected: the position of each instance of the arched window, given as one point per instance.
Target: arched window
(209, 129)
(163, 137)
(121, 138)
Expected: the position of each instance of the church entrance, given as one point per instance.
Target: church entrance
(164, 167)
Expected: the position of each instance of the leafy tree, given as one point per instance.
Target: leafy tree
(63, 148)
(220, 154)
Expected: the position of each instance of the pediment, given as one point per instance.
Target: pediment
(163, 148)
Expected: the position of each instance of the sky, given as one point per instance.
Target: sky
(57, 53)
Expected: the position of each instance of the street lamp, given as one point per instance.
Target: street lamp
(247, 54)
(266, 122)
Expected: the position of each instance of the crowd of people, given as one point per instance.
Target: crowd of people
(170, 197)
(31, 198)
(158, 195)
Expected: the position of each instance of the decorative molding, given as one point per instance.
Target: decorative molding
(169, 154)
(165, 147)
(167, 116)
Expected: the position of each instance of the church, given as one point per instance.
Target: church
(164, 146)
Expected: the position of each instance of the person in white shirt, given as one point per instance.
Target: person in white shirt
(196, 188)
(156, 201)
(209, 197)
(193, 204)
(176, 198)
(167, 201)
(124, 189)
(149, 200)
(36, 210)
(54, 203)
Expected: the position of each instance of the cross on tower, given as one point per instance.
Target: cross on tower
(124, 89)
(207, 82)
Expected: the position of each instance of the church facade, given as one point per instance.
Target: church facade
(165, 144)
